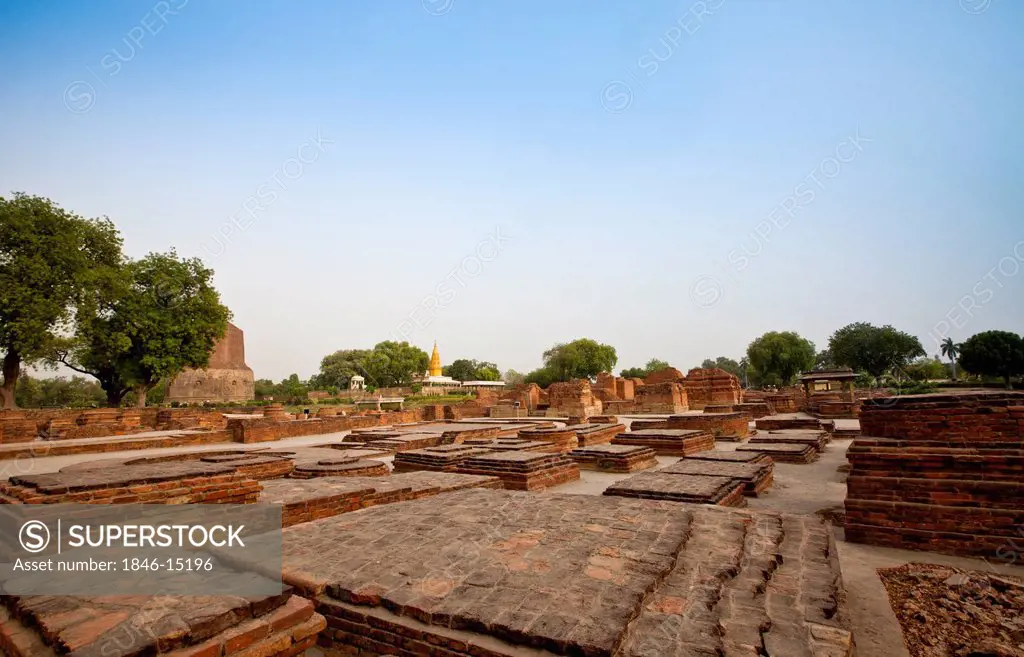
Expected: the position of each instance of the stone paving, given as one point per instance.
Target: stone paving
(487, 573)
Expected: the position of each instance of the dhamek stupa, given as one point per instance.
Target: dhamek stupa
(226, 378)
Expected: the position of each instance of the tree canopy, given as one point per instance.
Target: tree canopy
(580, 359)
(872, 349)
(463, 369)
(51, 260)
(76, 392)
(166, 317)
(777, 357)
(392, 364)
(653, 365)
(993, 353)
(724, 363)
(338, 368)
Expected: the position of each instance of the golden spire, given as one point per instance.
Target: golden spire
(435, 363)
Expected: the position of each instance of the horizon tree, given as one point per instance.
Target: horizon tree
(951, 350)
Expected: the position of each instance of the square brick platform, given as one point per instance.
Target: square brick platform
(783, 453)
(724, 491)
(615, 458)
(500, 574)
(669, 442)
(520, 470)
(596, 434)
(755, 477)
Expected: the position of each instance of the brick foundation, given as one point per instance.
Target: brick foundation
(941, 472)
(669, 442)
(667, 397)
(185, 482)
(615, 458)
(724, 426)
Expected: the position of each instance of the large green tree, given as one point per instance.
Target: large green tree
(778, 356)
(653, 365)
(464, 369)
(724, 363)
(338, 368)
(993, 353)
(76, 392)
(51, 260)
(580, 359)
(873, 349)
(167, 317)
(393, 364)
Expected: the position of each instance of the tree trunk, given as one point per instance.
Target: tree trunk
(114, 397)
(954, 368)
(11, 369)
(140, 396)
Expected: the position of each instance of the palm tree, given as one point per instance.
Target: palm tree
(951, 350)
(744, 364)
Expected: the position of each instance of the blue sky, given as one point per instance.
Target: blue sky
(673, 178)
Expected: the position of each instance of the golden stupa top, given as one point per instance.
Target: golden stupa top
(435, 363)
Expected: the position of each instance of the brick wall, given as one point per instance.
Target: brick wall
(719, 424)
(939, 472)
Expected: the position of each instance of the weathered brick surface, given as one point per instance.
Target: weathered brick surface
(315, 499)
(560, 440)
(572, 398)
(754, 409)
(813, 437)
(798, 422)
(669, 442)
(172, 626)
(492, 573)
(699, 489)
(340, 467)
(442, 458)
(519, 470)
(755, 477)
(706, 386)
(784, 453)
(596, 434)
(615, 458)
(640, 425)
(154, 483)
(667, 397)
(724, 426)
(784, 402)
(939, 472)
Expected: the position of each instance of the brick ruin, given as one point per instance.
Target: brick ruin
(492, 597)
(572, 398)
(185, 626)
(756, 476)
(666, 375)
(188, 482)
(668, 397)
(669, 442)
(724, 426)
(939, 472)
(615, 458)
(226, 378)
(711, 385)
(524, 471)
(697, 489)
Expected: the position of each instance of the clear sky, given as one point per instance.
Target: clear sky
(672, 178)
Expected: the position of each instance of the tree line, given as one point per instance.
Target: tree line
(70, 296)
